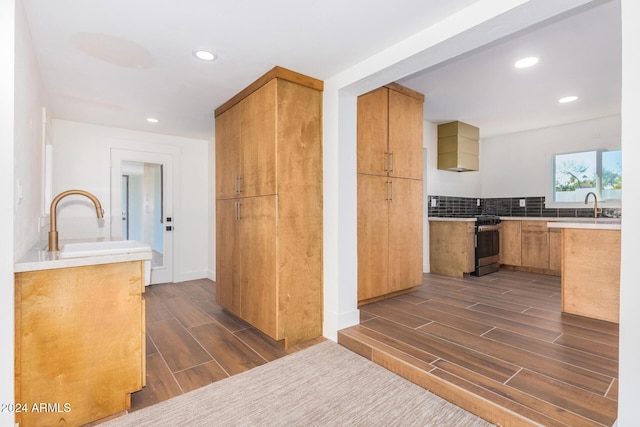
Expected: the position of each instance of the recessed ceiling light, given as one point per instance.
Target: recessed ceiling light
(152, 120)
(567, 99)
(526, 62)
(204, 55)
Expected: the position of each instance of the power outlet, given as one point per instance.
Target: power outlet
(522, 203)
(434, 202)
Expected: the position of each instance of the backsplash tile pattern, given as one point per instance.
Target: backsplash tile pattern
(508, 206)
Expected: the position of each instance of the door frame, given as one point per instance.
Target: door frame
(159, 274)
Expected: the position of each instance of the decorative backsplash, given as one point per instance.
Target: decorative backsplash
(509, 206)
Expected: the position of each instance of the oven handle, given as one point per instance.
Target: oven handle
(493, 227)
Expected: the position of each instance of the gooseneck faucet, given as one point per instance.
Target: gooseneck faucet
(53, 230)
(595, 203)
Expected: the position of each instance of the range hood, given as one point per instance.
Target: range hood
(458, 147)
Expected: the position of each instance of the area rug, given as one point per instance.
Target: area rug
(324, 385)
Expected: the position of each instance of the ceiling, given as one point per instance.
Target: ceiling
(119, 62)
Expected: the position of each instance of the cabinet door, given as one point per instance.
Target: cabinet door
(372, 130)
(405, 234)
(510, 243)
(258, 255)
(373, 242)
(228, 153)
(405, 135)
(227, 256)
(259, 141)
(535, 249)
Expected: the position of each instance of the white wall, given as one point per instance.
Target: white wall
(7, 114)
(521, 164)
(28, 140)
(629, 373)
(82, 160)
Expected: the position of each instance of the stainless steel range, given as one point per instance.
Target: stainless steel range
(487, 244)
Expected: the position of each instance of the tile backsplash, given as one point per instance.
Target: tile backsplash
(508, 206)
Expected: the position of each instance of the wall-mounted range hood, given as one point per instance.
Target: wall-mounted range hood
(458, 147)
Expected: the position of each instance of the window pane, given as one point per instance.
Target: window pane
(575, 175)
(612, 175)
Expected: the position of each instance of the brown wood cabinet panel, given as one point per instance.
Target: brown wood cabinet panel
(511, 243)
(405, 234)
(389, 231)
(258, 132)
(373, 236)
(258, 288)
(79, 341)
(452, 247)
(591, 273)
(405, 128)
(228, 169)
(555, 250)
(228, 260)
(373, 132)
(535, 249)
(269, 245)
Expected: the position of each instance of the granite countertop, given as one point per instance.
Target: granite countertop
(39, 258)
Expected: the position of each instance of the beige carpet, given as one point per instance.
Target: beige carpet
(324, 385)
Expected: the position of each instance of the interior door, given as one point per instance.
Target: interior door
(150, 205)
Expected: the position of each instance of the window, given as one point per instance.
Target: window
(576, 174)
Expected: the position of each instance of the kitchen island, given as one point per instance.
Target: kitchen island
(80, 335)
(590, 269)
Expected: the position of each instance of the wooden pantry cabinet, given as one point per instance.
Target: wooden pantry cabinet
(269, 206)
(389, 154)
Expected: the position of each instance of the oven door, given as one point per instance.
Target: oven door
(487, 249)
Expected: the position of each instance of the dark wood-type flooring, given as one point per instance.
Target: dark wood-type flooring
(191, 342)
(498, 346)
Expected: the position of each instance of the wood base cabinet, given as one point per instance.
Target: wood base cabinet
(269, 206)
(452, 247)
(530, 246)
(389, 158)
(80, 342)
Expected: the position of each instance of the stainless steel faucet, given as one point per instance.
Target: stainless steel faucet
(53, 230)
(596, 211)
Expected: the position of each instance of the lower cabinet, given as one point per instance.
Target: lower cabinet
(389, 235)
(530, 245)
(452, 247)
(80, 342)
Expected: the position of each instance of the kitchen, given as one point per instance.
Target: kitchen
(335, 270)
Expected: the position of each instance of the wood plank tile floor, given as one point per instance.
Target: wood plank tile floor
(498, 346)
(191, 342)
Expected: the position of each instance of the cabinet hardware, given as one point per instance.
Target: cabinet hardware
(238, 216)
(238, 185)
(390, 190)
(392, 161)
(386, 161)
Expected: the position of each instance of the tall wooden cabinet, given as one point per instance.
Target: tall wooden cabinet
(269, 206)
(389, 191)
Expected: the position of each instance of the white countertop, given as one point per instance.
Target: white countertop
(555, 222)
(39, 258)
(441, 218)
